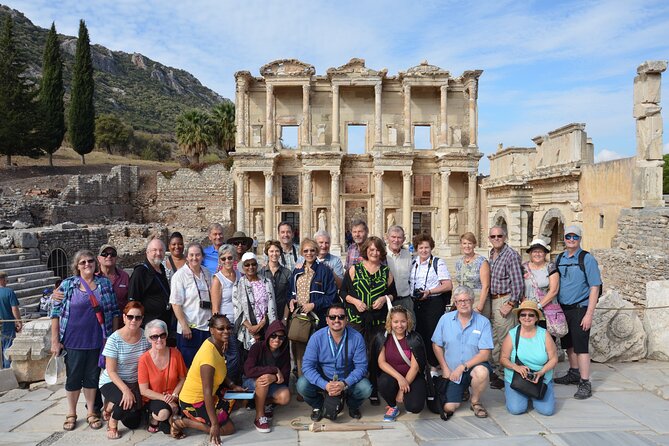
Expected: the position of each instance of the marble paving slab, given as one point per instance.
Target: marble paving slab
(647, 409)
(588, 415)
(16, 413)
(601, 438)
(23, 439)
(458, 426)
(525, 440)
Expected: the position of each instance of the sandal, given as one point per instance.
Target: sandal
(177, 426)
(70, 422)
(479, 410)
(112, 432)
(93, 421)
(153, 428)
(106, 414)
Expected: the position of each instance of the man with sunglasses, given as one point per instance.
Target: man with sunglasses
(335, 362)
(506, 290)
(579, 291)
(107, 256)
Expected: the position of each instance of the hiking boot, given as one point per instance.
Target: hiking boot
(391, 414)
(262, 425)
(571, 377)
(584, 390)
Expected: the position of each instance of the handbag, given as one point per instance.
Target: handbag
(528, 388)
(556, 322)
(301, 325)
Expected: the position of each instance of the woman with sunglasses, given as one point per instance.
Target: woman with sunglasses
(538, 354)
(279, 275)
(118, 381)
(200, 399)
(541, 279)
(312, 289)
(176, 258)
(191, 302)
(473, 270)
(267, 371)
(161, 375)
(253, 299)
(81, 331)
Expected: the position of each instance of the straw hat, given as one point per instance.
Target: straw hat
(529, 305)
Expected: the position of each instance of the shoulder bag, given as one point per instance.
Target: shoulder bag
(528, 388)
(556, 322)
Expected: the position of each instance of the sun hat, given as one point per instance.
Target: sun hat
(529, 305)
(573, 229)
(105, 247)
(538, 243)
(239, 236)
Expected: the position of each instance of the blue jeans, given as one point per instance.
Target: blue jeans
(189, 347)
(516, 402)
(355, 395)
(6, 343)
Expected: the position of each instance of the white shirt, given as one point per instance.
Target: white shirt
(400, 268)
(187, 290)
(419, 272)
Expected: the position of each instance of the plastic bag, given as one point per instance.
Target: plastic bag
(55, 369)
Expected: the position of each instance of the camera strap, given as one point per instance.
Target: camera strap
(197, 287)
(427, 272)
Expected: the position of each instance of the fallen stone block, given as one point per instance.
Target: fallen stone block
(617, 334)
(8, 380)
(656, 322)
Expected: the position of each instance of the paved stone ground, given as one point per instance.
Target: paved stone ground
(630, 407)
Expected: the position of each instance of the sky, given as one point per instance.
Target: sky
(545, 63)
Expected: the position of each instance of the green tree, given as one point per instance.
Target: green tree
(81, 125)
(665, 175)
(17, 109)
(194, 133)
(223, 116)
(111, 132)
(52, 107)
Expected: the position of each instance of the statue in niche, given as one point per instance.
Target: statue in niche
(320, 134)
(256, 135)
(457, 135)
(392, 136)
(453, 223)
(390, 220)
(322, 222)
(259, 223)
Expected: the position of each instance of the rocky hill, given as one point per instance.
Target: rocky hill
(142, 92)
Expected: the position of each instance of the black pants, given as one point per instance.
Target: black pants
(428, 313)
(369, 334)
(132, 417)
(414, 400)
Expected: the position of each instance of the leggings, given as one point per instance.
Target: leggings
(132, 417)
(428, 313)
(414, 400)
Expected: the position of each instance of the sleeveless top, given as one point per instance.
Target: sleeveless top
(369, 287)
(469, 274)
(227, 308)
(532, 353)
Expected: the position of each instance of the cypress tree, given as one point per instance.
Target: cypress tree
(52, 108)
(17, 110)
(81, 123)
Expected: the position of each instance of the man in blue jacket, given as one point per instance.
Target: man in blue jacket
(335, 362)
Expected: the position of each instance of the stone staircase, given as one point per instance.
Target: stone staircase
(27, 276)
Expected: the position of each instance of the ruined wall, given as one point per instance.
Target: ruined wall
(604, 190)
(639, 253)
(70, 240)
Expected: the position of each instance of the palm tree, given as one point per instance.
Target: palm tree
(223, 116)
(194, 132)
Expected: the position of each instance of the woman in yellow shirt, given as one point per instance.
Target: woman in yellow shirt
(198, 399)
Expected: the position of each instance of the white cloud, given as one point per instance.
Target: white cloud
(607, 155)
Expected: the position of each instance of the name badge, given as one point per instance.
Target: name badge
(476, 331)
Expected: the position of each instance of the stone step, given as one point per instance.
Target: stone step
(30, 292)
(13, 257)
(29, 276)
(18, 263)
(24, 270)
(44, 282)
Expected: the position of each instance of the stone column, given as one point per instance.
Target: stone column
(306, 115)
(378, 88)
(471, 203)
(269, 114)
(443, 131)
(269, 205)
(335, 114)
(444, 206)
(378, 203)
(407, 116)
(334, 212)
(473, 112)
(406, 202)
(240, 106)
(240, 180)
(307, 204)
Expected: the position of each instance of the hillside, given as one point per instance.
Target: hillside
(142, 92)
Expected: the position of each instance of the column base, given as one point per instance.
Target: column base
(444, 250)
(336, 250)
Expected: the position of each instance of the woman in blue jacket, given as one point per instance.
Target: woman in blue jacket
(313, 290)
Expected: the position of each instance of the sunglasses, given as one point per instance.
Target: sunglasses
(532, 315)
(225, 259)
(334, 317)
(134, 317)
(572, 237)
(108, 254)
(492, 237)
(251, 264)
(308, 250)
(86, 262)
(239, 243)
(277, 336)
(223, 328)
(155, 337)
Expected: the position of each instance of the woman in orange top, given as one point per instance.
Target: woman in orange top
(161, 375)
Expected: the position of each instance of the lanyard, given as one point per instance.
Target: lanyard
(341, 345)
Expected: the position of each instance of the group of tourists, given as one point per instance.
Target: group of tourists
(165, 343)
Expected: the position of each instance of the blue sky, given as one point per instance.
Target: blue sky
(546, 63)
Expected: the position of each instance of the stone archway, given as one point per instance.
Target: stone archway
(500, 219)
(58, 263)
(552, 228)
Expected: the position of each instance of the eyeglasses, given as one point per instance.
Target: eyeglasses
(239, 243)
(134, 317)
(277, 336)
(494, 236)
(251, 264)
(462, 302)
(225, 259)
(334, 317)
(532, 315)
(108, 254)
(572, 237)
(86, 262)
(155, 337)
(308, 250)
(223, 328)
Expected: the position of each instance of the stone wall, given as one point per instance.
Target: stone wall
(639, 253)
(70, 240)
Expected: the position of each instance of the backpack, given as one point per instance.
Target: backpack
(435, 260)
(581, 265)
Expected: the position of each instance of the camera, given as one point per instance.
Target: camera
(530, 376)
(205, 305)
(417, 293)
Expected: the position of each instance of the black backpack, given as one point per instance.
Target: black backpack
(581, 265)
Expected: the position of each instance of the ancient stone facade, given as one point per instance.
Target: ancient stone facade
(320, 178)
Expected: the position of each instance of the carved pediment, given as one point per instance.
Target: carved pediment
(355, 67)
(287, 67)
(424, 69)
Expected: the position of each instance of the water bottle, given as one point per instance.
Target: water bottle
(411, 248)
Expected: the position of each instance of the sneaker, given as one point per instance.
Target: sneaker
(262, 425)
(391, 414)
(571, 377)
(584, 390)
(317, 415)
(269, 411)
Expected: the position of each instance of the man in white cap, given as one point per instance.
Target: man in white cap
(580, 284)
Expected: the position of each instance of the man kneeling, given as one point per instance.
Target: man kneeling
(462, 343)
(335, 363)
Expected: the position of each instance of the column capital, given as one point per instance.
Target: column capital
(406, 88)
(335, 88)
(268, 175)
(269, 88)
(444, 89)
(306, 174)
(378, 88)
(472, 174)
(406, 175)
(335, 174)
(378, 174)
(306, 88)
(445, 173)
